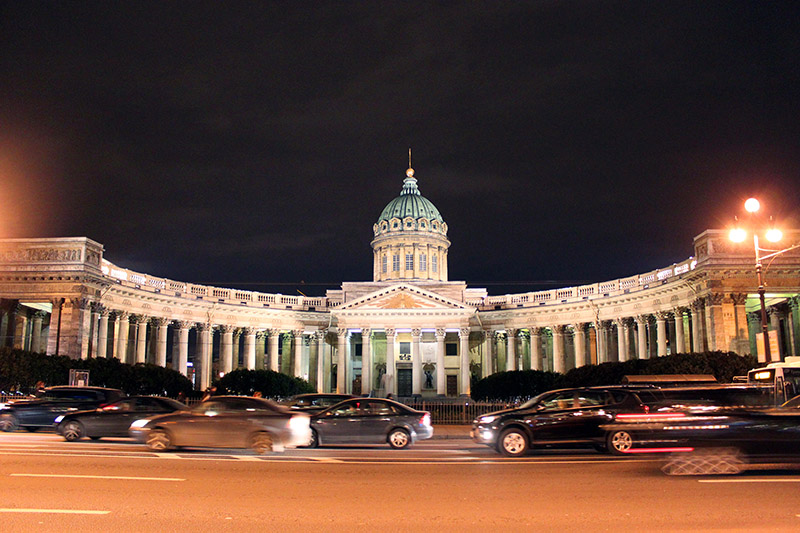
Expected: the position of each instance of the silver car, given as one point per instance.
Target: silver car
(370, 421)
(226, 422)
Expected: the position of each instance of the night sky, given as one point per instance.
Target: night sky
(254, 144)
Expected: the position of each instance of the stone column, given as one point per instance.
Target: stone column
(36, 334)
(741, 341)
(680, 341)
(661, 333)
(274, 337)
(775, 325)
(203, 362)
(122, 341)
(226, 348)
(715, 322)
(341, 361)
(366, 361)
(249, 348)
(602, 346)
(489, 339)
(161, 325)
(511, 349)
(180, 363)
(298, 353)
(641, 336)
(464, 371)
(141, 337)
(536, 348)
(237, 335)
(697, 326)
(580, 344)
(84, 326)
(559, 357)
(261, 350)
(416, 362)
(391, 382)
(320, 336)
(441, 380)
(622, 352)
(102, 334)
(794, 304)
(95, 326)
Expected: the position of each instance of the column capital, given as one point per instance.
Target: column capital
(227, 329)
(739, 298)
(160, 322)
(203, 327)
(249, 331)
(416, 332)
(535, 330)
(441, 333)
(366, 332)
(183, 324)
(464, 332)
(341, 332)
(390, 332)
(698, 305)
(715, 298)
(559, 328)
(139, 319)
(512, 332)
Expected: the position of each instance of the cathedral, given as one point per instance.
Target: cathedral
(411, 331)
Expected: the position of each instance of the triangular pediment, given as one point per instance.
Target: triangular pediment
(402, 296)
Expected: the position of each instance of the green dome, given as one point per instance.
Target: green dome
(410, 203)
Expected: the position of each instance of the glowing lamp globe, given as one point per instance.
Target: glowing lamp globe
(752, 205)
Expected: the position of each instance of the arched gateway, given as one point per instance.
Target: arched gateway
(410, 331)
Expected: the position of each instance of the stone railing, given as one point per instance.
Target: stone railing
(305, 303)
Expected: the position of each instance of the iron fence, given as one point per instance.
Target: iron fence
(454, 413)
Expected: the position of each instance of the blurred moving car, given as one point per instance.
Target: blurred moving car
(314, 402)
(114, 419)
(370, 421)
(563, 418)
(51, 402)
(226, 422)
(717, 440)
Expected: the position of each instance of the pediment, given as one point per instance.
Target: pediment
(402, 296)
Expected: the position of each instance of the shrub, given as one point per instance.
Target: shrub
(269, 383)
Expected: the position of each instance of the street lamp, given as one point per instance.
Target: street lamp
(772, 234)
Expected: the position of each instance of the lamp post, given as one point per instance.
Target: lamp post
(773, 234)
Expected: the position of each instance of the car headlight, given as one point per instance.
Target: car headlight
(59, 418)
(487, 419)
(299, 423)
(140, 423)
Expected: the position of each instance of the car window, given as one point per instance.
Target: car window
(61, 394)
(147, 404)
(378, 408)
(122, 405)
(562, 400)
(348, 409)
(592, 398)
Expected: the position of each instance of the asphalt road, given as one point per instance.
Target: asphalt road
(442, 486)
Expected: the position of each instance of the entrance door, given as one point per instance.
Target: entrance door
(404, 382)
(452, 385)
(356, 386)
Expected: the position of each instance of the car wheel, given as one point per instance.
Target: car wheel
(158, 440)
(261, 442)
(8, 422)
(619, 442)
(398, 439)
(513, 442)
(713, 461)
(73, 430)
(314, 442)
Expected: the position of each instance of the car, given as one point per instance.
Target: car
(226, 422)
(315, 402)
(114, 419)
(718, 440)
(559, 418)
(370, 421)
(41, 411)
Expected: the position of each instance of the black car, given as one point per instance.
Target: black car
(370, 421)
(560, 418)
(717, 440)
(42, 410)
(314, 402)
(114, 419)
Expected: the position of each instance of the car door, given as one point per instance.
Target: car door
(554, 419)
(339, 425)
(376, 418)
(112, 420)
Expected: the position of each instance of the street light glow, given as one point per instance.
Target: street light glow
(738, 235)
(752, 205)
(774, 235)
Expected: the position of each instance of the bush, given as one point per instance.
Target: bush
(21, 371)
(269, 383)
(516, 385)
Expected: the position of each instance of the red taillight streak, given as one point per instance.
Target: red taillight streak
(659, 450)
(652, 416)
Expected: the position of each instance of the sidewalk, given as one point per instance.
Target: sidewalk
(451, 431)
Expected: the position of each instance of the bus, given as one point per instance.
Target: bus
(783, 377)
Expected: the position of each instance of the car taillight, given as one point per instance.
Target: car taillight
(425, 420)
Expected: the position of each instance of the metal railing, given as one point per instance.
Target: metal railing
(455, 413)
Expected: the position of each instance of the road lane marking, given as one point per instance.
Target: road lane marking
(749, 480)
(84, 476)
(53, 511)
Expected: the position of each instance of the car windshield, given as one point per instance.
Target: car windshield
(535, 400)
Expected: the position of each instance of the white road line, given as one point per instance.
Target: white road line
(83, 476)
(53, 511)
(750, 480)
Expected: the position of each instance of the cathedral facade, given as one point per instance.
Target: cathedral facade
(410, 331)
